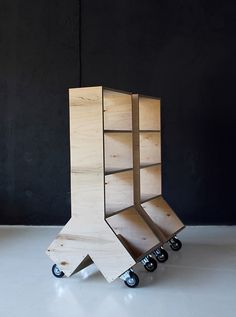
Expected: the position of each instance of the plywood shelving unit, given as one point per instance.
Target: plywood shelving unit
(148, 169)
(118, 216)
(105, 225)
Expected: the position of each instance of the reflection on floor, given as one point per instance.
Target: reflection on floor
(199, 280)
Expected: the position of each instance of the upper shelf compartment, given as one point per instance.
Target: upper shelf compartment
(149, 114)
(117, 110)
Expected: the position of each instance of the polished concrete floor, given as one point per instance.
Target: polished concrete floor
(199, 280)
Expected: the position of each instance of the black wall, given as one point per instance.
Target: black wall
(182, 51)
(39, 61)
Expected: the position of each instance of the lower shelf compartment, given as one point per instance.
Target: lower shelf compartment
(134, 232)
(163, 216)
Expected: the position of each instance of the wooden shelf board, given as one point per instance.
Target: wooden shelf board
(149, 131)
(116, 171)
(148, 198)
(117, 131)
(142, 165)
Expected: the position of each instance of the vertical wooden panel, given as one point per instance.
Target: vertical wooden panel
(86, 144)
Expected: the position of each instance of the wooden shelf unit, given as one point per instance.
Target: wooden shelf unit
(104, 225)
(147, 168)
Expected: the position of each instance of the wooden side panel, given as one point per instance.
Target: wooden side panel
(136, 148)
(86, 144)
(131, 226)
(150, 180)
(150, 148)
(118, 191)
(118, 151)
(149, 114)
(77, 240)
(162, 215)
(117, 110)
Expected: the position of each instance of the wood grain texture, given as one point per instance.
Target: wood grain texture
(108, 221)
(118, 191)
(87, 237)
(86, 151)
(147, 151)
(118, 151)
(150, 148)
(163, 216)
(132, 227)
(117, 110)
(149, 113)
(150, 182)
(78, 239)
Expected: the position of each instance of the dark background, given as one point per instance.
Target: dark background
(182, 51)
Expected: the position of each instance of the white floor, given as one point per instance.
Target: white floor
(199, 280)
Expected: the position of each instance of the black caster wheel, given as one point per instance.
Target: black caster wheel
(151, 265)
(162, 256)
(56, 271)
(132, 281)
(175, 244)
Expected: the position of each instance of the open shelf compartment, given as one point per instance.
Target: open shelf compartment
(149, 114)
(150, 148)
(150, 182)
(118, 152)
(163, 216)
(134, 232)
(118, 192)
(117, 108)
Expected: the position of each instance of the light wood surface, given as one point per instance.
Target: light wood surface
(147, 151)
(132, 227)
(150, 148)
(149, 113)
(109, 225)
(118, 191)
(150, 182)
(118, 151)
(86, 151)
(117, 110)
(77, 240)
(87, 235)
(163, 216)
